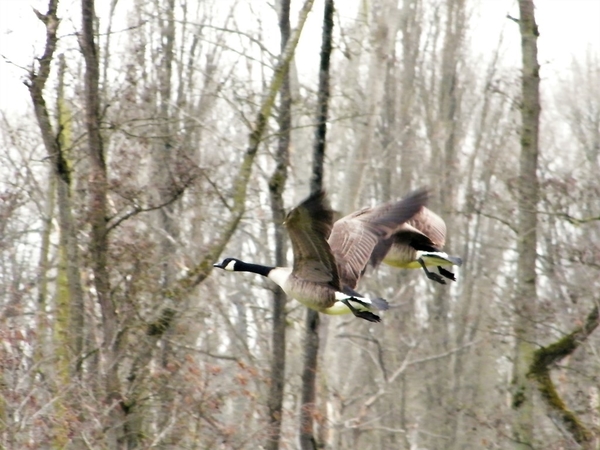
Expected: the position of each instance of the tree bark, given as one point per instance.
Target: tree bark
(61, 168)
(316, 182)
(42, 322)
(276, 187)
(164, 155)
(164, 149)
(528, 194)
(68, 329)
(386, 21)
(311, 338)
(309, 378)
(97, 214)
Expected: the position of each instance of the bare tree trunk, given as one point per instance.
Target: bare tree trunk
(411, 35)
(311, 338)
(164, 149)
(98, 217)
(69, 321)
(68, 243)
(42, 325)
(386, 19)
(106, 50)
(309, 381)
(164, 156)
(68, 326)
(316, 182)
(526, 292)
(60, 166)
(276, 187)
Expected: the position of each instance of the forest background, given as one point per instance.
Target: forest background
(143, 141)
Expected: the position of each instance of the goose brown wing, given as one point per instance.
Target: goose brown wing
(352, 242)
(426, 231)
(431, 225)
(404, 240)
(309, 225)
(355, 237)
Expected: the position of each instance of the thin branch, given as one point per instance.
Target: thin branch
(407, 363)
(380, 360)
(191, 348)
(139, 209)
(217, 191)
(499, 219)
(232, 31)
(403, 366)
(577, 221)
(514, 19)
(201, 270)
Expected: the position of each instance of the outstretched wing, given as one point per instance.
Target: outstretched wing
(355, 237)
(426, 231)
(431, 225)
(309, 225)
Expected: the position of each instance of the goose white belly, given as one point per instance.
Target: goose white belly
(314, 296)
(333, 305)
(406, 258)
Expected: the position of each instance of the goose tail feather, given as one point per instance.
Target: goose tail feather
(455, 260)
(440, 259)
(380, 304)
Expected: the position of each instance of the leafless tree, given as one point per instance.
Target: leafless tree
(152, 144)
(528, 197)
(276, 188)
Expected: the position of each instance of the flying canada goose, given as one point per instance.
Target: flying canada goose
(330, 258)
(418, 242)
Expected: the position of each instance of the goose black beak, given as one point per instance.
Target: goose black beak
(218, 265)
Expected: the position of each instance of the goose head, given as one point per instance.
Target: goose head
(228, 264)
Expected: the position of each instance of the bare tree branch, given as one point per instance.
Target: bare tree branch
(202, 269)
(114, 222)
(367, 404)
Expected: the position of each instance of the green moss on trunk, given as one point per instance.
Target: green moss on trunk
(539, 371)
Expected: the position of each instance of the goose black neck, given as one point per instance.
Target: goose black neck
(242, 266)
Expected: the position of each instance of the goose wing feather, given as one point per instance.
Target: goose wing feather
(309, 225)
(431, 225)
(352, 242)
(426, 231)
(355, 237)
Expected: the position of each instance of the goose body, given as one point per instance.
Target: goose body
(320, 297)
(418, 243)
(330, 258)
